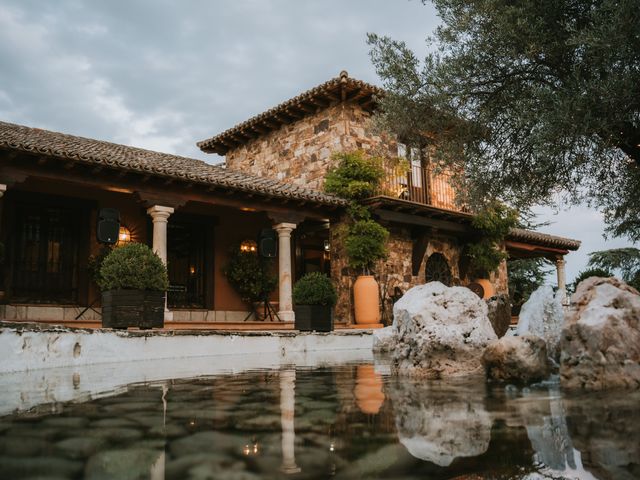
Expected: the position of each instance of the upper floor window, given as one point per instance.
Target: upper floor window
(414, 156)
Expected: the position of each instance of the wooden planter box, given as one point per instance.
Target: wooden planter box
(132, 308)
(313, 317)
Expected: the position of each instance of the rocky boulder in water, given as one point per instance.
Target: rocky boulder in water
(499, 311)
(441, 331)
(543, 316)
(516, 359)
(600, 346)
(384, 339)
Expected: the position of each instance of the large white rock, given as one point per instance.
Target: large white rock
(441, 331)
(543, 316)
(600, 345)
(384, 339)
(516, 359)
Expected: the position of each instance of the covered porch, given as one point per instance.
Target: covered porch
(191, 213)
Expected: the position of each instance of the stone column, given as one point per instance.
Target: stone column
(562, 280)
(160, 216)
(287, 415)
(3, 188)
(285, 311)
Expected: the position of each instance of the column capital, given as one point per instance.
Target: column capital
(284, 228)
(160, 212)
(560, 261)
(3, 188)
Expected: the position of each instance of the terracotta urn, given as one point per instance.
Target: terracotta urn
(482, 287)
(368, 391)
(366, 300)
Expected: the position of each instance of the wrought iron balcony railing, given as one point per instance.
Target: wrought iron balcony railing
(419, 184)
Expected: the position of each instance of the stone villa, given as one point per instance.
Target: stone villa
(191, 212)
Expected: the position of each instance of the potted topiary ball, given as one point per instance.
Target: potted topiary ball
(314, 297)
(133, 281)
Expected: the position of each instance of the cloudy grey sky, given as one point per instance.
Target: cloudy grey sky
(164, 74)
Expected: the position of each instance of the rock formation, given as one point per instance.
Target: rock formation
(542, 315)
(516, 359)
(441, 331)
(600, 346)
(384, 339)
(499, 313)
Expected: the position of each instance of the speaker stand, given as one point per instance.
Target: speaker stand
(268, 312)
(89, 307)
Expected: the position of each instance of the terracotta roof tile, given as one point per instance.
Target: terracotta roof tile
(245, 131)
(86, 150)
(543, 239)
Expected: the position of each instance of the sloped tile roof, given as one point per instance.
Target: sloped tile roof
(296, 107)
(86, 150)
(543, 239)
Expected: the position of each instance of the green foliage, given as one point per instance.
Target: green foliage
(589, 272)
(355, 177)
(365, 244)
(484, 257)
(493, 224)
(526, 99)
(132, 267)
(625, 260)
(250, 275)
(525, 276)
(314, 288)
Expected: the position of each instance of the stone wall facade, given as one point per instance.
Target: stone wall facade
(300, 152)
(397, 270)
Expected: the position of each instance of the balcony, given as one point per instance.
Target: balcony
(421, 184)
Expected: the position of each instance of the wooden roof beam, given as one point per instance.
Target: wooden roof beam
(354, 94)
(307, 108)
(319, 103)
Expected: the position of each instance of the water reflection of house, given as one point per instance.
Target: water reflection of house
(54, 185)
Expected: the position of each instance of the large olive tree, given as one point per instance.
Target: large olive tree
(530, 98)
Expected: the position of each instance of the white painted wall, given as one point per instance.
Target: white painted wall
(20, 391)
(24, 349)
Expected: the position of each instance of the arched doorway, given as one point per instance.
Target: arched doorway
(437, 270)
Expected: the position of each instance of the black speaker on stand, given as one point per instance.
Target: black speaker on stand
(108, 226)
(107, 231)
(268, 243)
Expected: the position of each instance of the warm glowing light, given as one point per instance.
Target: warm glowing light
(192, 270)
(124, 235)
(247, 209)
(118, 189)
(249, 246)
(246, 450)
(327, 246)
(332, 447)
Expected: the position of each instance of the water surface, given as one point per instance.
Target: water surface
(345, 421)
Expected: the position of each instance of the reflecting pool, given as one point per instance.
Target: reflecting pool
(347, 421)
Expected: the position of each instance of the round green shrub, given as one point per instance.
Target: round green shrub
(249, 275)
(365, 244)
(132, 267)
(314, 288)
